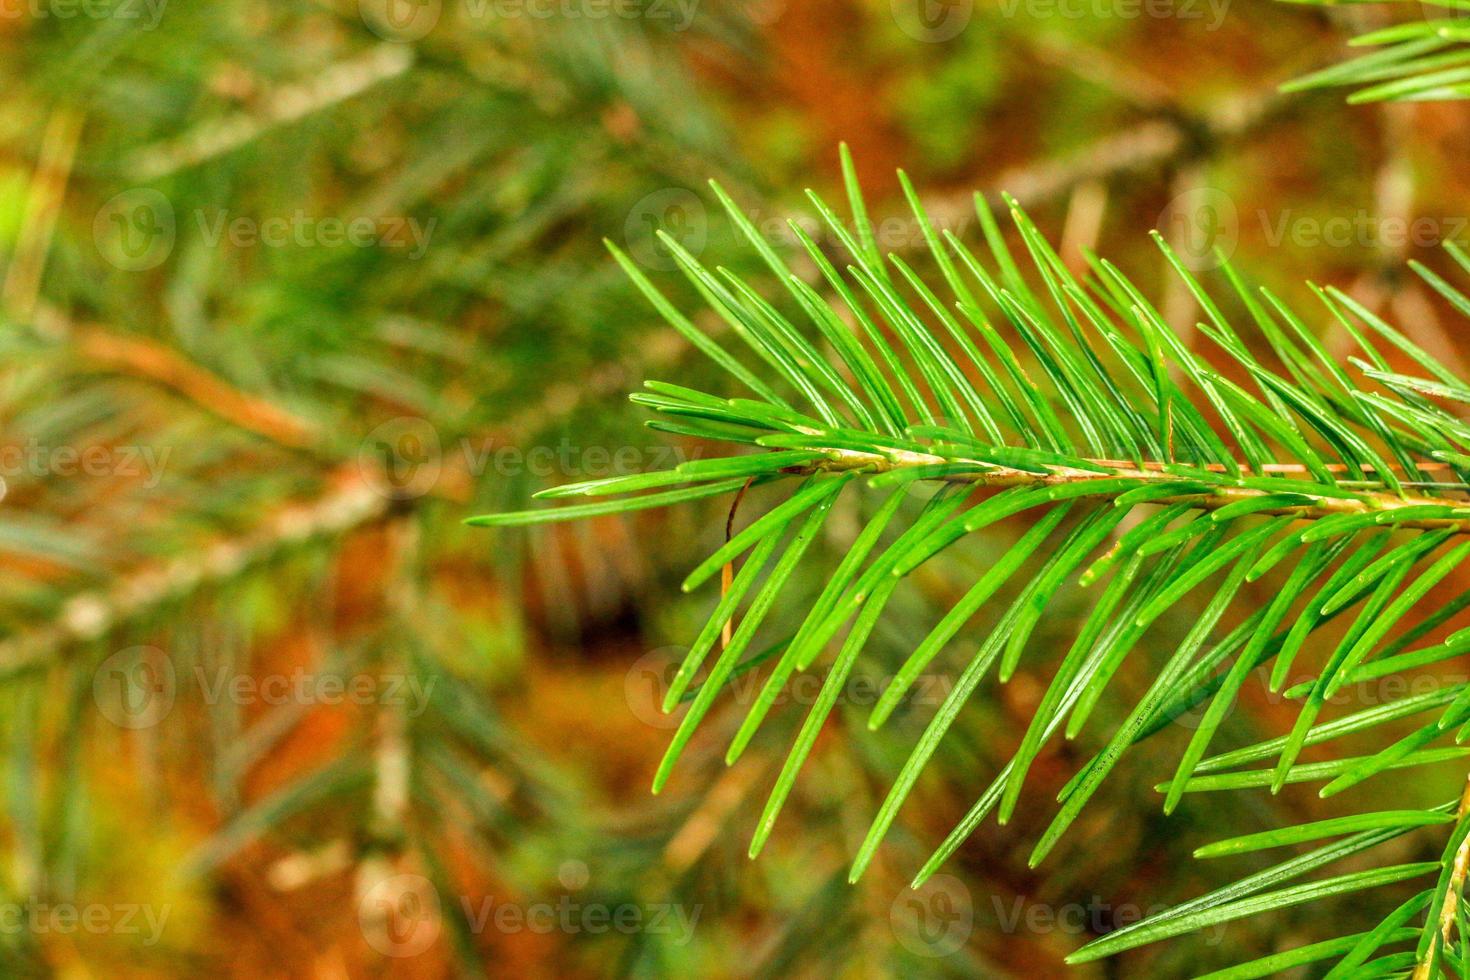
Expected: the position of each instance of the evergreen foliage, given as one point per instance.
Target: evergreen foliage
(1004, 386)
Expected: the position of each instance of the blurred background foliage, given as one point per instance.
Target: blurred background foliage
(235, 458)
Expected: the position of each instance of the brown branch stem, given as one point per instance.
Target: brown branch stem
(1364, 502)
(1446, 922)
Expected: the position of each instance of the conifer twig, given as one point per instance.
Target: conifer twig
(333, 85)
(1365, 502)
(1453, 895)
(167, 367)
(1152, 143)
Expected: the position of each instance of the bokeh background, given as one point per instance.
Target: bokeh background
(288, 289)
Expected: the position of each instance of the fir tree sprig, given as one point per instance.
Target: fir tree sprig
(1146, 473)
(1421, 60)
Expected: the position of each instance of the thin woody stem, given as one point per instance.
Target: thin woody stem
(1382, 502)
(1425, 968)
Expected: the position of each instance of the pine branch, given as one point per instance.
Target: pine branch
(1384, 506)
(1445, 922)
(1343, 483)
(330, 87)
(353, 498)
(313, 124)
(1147, 146)
(167, 367)
(1426, 59)
(351, 502)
